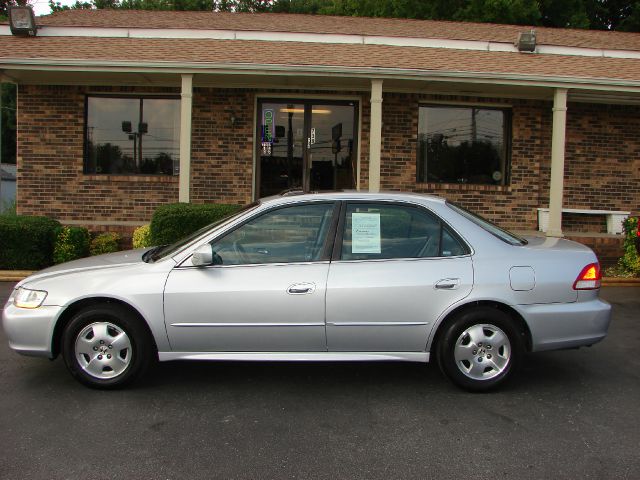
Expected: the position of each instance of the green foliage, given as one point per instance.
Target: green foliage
(71, 243)
(78, 5)
(26, 243)
(518, 12)
(629, 263)
(172, 222)
(4, 4)
(142, 237)
(105, 243)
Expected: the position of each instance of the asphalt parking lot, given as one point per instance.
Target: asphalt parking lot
(569, 414)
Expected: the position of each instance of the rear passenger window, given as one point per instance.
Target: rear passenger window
(379, 231)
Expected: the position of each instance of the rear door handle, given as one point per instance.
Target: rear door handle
(447, 284)
(301, 288)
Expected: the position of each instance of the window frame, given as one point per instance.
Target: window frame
(125, 95)
(507, 111)
(337, 245)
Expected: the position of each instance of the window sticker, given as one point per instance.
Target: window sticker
(365, 231)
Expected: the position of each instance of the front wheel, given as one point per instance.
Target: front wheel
(480, 349)
(105, 346)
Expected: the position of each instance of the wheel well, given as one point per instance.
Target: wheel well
(71, 310)
(520, 322)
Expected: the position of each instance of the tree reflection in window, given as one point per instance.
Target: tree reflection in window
(463, 145)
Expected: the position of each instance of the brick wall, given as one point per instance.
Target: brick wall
(602, 165)
(50, 176)
(602, 160)
(222, 152)
(512, 206)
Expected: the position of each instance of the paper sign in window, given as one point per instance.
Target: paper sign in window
(365, 233)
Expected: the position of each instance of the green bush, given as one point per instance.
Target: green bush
(172, 222)
(142, 237)
(71, 243)
(105, 243)
(629, 263)
(26, 243)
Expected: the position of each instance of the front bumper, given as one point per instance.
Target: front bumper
(566, 325)
(30, 330)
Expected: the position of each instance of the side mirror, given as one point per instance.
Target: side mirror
(203, 256)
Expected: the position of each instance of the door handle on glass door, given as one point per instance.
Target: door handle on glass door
(301, 288)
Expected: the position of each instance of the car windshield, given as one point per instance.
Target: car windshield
(490, 227)
(162, 251)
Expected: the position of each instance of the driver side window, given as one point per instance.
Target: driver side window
(286, 235)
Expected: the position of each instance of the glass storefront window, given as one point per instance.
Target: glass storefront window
(458, 144)
(132, 135)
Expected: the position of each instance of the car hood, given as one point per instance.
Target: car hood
(109, 260)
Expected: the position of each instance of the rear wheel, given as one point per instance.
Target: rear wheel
(480, 349)
(105, 346)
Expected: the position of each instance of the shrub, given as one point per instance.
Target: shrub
(26, 242)
(105, 243)
(71, 243)
(629, 263)
(172, 222)
(142, 237)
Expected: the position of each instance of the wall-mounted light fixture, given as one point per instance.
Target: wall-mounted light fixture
(233, 119)
(22, 21)
(526, 41)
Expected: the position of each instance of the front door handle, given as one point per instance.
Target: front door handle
(447, 284)
(301, 288)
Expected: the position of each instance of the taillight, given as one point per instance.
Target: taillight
(589, 279)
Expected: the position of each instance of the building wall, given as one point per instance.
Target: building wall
(602, 165)
(50, 177)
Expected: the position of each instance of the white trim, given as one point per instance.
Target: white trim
(186, 112)
(345, 39)
(422, 357)
(337, 71)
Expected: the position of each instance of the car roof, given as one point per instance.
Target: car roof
(288, 196)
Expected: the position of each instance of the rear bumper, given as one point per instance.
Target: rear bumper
(566, 325)
(30, 330)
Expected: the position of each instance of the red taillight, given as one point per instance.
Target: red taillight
(589, 279)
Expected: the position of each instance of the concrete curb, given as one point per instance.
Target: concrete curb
(17, 275)
(620, 282)
(14, 275)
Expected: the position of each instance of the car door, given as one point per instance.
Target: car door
(266, 292)
(396, 268)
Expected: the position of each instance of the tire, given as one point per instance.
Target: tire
(105, 346)
(480, 349)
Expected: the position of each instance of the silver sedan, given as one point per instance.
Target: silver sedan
(318, 277)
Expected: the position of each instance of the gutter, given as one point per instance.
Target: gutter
(65, 64)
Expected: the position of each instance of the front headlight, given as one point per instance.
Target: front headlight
(26, 298)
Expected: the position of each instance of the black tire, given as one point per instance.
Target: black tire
(94, 367)
(480, 369)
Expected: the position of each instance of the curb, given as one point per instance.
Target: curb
(14, 275)
(17, 275)
(620, 282)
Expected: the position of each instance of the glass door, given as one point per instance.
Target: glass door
(305, 145)
(331, 153)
